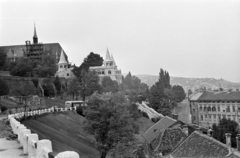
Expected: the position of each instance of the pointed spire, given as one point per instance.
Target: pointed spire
(35, 32)
(114, 63)
(35, 38)
(62, 59)
(107, 58)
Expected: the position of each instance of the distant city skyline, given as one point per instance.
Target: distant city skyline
(186, 38)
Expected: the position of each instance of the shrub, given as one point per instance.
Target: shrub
(156, 119)
(145, 115)
(80, 110)
(3, 108)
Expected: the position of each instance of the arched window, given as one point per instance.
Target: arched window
(209, 108)
(109, 72)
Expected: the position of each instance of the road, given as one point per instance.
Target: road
(183, 111)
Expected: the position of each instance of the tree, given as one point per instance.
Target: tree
(48, 88)
(109, 85)
(74, 88)
(91, 60)
(110, 123)
(225, 126)
(89, 84)
(179, 93)
(22, 69)
(57, 84)
(4, 89)
(3, 57)
(189, 92)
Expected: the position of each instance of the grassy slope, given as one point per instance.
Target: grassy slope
(66, 133)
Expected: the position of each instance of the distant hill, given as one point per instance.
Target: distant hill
(192, 83)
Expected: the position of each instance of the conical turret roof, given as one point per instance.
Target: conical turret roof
(62, 59)
(108, 57)
(114, 63)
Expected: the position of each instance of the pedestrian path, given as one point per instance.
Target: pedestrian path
(10, 149)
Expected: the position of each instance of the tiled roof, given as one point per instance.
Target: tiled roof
(153, 132)
(219, 96)
(198, 145)
(168, 139)
(195, 96)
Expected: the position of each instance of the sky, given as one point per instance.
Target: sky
(187, 38)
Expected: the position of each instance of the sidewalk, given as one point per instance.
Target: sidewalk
(10, 149)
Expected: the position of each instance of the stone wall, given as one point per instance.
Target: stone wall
(30, 141)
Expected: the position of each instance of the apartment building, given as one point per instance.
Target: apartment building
(207, 108)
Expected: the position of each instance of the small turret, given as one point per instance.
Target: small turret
(35, 38)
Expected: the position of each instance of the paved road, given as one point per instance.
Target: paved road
(10, 149)
(183, 111)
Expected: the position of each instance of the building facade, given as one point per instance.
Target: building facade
(63, 68)
(207, 108)
(109, 68)
(34, 50)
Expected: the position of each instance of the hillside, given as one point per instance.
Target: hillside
(191, 83)
(66, 132)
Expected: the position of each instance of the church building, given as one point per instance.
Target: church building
(109, 68)
(63, 69)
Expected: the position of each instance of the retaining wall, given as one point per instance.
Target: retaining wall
(32, 146)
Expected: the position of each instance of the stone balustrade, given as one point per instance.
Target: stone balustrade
(32, 146)
(150, 111)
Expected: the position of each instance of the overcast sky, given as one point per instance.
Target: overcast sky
(191, 38)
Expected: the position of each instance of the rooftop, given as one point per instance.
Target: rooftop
(198, 145)
(153, 132)
(216, 96)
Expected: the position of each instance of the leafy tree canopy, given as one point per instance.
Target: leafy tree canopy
(225, 126)
(4, 89)
(110, 123)
(91, 60)
(109, 85)
(3, 58)
(179, 93)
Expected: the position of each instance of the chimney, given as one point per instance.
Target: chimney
(175, 116)
(228, 141)
(238, 142)
(185, 129)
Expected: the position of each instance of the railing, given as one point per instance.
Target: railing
(150, 111)
(32, 146)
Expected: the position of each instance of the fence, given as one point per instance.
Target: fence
(32, 146)
(150, 111)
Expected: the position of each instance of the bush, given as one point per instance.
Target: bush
(3, 108)
(156, 119)
(145, 115)
(80, 110)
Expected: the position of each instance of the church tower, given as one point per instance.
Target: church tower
(35, 38)
(62, 64)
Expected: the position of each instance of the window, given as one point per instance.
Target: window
(219, 116)
(103, 72)
(228, 108)
(200, 108)
(219, 108)
(214, 116)
(213, 108)
(109, 72)
(205, 109)
(224, 116)
(65, 66)
(209, 108)
(201, 117)
(233, 108)
(210, 116)
(60, 66)
(206, 116)
(193, 110)
(67, 74)
(194, 118)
